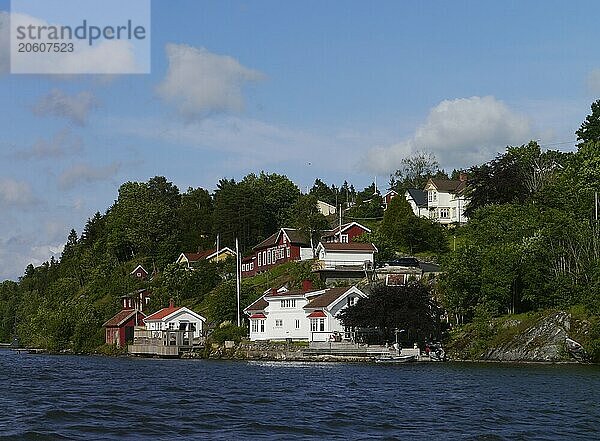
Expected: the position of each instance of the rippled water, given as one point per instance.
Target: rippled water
(95, 398)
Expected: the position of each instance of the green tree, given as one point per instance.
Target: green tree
(305, 216)
(590, 128)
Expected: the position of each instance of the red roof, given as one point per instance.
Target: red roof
(316, 314)
(258, 316)
(121, 317)
(162, 313)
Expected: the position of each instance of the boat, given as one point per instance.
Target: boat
(395, 359)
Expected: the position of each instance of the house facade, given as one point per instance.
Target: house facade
(287, 244)
(139, 273)
(301, 315)
(176, 318)
(325, 209)
(353, 254)
(387, 198)
(446, 201)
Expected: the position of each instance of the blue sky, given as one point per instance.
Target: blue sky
(336, 90)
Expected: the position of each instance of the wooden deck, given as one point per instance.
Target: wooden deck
(168, 343)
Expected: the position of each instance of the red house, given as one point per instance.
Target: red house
(119, 329)
(345, 234)
(287, 244)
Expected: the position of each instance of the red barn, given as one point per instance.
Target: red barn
(119, 329)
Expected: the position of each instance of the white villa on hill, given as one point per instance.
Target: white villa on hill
(307, 315)
(446, 200)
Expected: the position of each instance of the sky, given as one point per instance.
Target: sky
(334, 90)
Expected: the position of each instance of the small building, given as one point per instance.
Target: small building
(176, 318)
(119, 330)
(138, 299)
(344, 262)
(139, 273)
(302, 315)
(189, 259)
(345, 233)
(387, 198)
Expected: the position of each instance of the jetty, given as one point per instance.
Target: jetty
(167, 343)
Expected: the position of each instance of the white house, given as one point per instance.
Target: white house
(446, 201)
(332, 255)
(325, 208)
(308, 315)
(175, 318)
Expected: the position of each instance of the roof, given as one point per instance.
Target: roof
(343, 228)
(430, 267)
(258, 316)
(295, 236)
(139, 267)
(206, 254)
(291, 293)
(327, 298)
(419, 196)
(121, 317)
(352, 246)
(258, 305)
(450, 186)
(316, 314)
(162, 313)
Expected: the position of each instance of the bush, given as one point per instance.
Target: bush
(228, 332)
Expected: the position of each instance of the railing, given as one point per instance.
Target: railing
(343, 265)
(184, 339)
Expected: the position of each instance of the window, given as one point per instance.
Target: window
(351, 301)
(254, 325)
(262, 326)
(259, 260)
(278, 323)
(344, 238)
(171, 326)
(317, 325)
(453, 213)
(288, 303)
(288, 251)
(321, 325)
(434, 196)
(297, 324)
(444, 213)
(430, 196)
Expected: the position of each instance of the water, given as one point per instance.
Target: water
(46, 397)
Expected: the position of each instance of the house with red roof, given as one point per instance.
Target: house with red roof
(345, 233)
(176, 318)
(189, 259)
(305, 314)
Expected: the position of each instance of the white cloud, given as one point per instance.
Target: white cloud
(85, 174)
(61, 144)
(199, 82)
(593, 81)
(15, 193)
(19, 251)
(460, 132)
(75, 108)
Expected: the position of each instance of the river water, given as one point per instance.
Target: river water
(44, 397)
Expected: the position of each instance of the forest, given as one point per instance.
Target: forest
(532, 242)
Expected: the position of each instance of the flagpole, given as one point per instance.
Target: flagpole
(217, 247)
(237, 283)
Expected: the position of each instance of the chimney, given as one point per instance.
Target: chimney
(307, 285)
(273, 291)
(171, 303)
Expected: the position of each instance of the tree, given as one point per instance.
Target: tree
(195, 216)
(305, 216)
(590, 128)
(415, 170)
(389, 308)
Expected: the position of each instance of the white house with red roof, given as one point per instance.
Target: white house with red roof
(446, 200)
(345, 233)
(306, 314)
(354, 254)
(176, 318)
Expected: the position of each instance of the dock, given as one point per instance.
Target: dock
(167, 344)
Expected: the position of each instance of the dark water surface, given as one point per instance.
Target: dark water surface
(46, 397)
